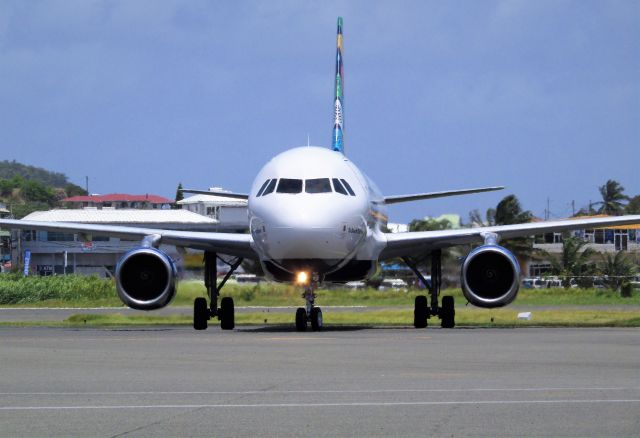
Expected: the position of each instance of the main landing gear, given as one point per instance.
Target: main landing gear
(202, 312)
(422, 310)
(309, 313)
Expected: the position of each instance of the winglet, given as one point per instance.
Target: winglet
(338, 121)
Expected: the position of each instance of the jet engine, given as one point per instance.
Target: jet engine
(146, 279)
(490, 276)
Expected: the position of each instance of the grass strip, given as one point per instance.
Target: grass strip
(464, 317)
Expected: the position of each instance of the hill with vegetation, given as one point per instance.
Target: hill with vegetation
(25, 188)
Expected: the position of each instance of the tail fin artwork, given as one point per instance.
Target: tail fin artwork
(338, 140)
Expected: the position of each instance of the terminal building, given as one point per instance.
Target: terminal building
(58, 253)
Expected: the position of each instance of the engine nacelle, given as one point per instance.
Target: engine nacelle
(146, 279)
(490, 276)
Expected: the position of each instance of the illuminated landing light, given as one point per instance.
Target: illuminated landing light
(302, 277)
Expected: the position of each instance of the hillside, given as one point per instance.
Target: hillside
(27, 188)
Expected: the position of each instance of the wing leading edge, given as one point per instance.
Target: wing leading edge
(405, 244)
(418, 196)
(226, 243)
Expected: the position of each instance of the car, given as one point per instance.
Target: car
(393, 283)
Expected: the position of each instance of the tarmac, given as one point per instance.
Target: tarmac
(347, 381)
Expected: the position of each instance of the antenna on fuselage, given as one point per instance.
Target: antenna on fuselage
(337, 143)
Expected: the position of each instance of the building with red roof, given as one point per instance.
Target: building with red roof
(118, 201)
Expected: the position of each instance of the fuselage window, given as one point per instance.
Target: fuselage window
(317, 185)
(338, 187)
(270, 187)
(287, 185)
(348, 187)
(264, 186)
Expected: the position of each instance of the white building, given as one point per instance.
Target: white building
(57, 253)
(230, 213)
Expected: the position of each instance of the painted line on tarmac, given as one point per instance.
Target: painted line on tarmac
(326, 391)
(317, 405)
(169, 308)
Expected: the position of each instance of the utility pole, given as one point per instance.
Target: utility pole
(573, 208)
(547, 213)
(86, 184)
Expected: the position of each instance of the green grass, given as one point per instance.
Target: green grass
(77, 291)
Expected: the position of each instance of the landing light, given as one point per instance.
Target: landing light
(302, 277)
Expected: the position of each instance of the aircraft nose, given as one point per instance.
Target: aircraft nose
(298, 232)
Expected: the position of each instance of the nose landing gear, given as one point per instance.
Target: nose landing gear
(309, 313)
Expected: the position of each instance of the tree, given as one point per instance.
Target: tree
(633, 207)
(179, 196)
(612, 198)
(476, 220)
(508, 211)
(618, 270)
(429, 224)
(574, 262)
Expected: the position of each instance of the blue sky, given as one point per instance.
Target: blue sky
(540, 96)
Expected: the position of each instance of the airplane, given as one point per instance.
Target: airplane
(315, 217)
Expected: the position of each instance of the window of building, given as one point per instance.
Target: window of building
(99, 238)
(588, 236)
(598, 236)
(213, 212)
(317, 185)
(270, 188)
(264, 186)
(29, 235)
(287, 185)
(55, 236)
(553, 238)
(338, 187)
(539, 269)
(348, 187)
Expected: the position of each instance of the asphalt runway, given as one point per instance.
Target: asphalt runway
(353, 381)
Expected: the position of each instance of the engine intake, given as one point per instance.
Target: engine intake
(146, 279)
(490, 276)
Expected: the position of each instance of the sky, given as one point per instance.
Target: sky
(542, 97)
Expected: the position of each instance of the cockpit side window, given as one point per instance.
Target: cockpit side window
(287, 185)
(348, 187)
(264, 186)
(338, 187)
(270, 187)
(317, 185)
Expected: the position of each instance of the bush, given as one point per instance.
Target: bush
(16, 289)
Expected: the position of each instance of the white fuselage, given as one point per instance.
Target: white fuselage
(316, 212)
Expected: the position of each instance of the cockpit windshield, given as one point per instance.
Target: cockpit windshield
(287, 185)
(317, 185)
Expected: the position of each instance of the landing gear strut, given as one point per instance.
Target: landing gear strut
(423, 311)
(309, 313)
(202, 312)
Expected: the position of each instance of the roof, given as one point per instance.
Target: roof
(120, 197)
(121, 216)
(619, 227)
(222, 201)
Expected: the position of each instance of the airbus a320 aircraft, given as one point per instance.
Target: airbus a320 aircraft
(315, 217)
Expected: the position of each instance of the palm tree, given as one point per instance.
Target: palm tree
(507, 212)
(573, 263)
(612, 197)
(633, 207)
(619, 270)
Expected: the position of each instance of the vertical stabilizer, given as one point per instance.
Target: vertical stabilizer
(338, 106)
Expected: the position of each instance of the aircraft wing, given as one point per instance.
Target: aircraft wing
(410, 243)
(418, 196)
(227, 243)
(214, 193)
